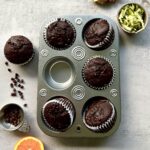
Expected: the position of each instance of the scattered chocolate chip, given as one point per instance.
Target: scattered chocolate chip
(18, 80)
(9, 70)
(11, 85)
(12, 79)
(22, 97)
(22, 81)
(15, 84)
(13, 94)
(22, 87)
(19, 92)
(6, 63)
(25, 105)
(14, 90)
(16, 75)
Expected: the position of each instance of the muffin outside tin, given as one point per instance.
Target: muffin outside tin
(53, 62)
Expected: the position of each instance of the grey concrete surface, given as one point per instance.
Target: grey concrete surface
(25, 17)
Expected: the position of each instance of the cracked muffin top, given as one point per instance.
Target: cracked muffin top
(18, 49)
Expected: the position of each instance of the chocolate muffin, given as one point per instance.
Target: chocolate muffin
(58, 113)
(99, 114)
(18, 49)
(98, 34)
(60, 34)
(98, 73)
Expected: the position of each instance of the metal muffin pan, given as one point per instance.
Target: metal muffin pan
(60, 74)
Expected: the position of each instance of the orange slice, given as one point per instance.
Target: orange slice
(29, 143)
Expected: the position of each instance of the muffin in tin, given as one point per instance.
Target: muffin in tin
(60, 34)
(18, 50)
(99, 114)
(58, 114)
(98, 72)
(98, 34)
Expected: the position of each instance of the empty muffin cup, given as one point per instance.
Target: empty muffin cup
(59, 73)
(98, 34)
(99, 114)
(58, 114)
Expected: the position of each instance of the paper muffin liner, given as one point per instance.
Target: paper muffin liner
(103, 87)
(106, 126)
(45, 33)
(67, 105)
(108, 40)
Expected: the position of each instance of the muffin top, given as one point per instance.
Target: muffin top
(18, 49)
(98, 72)
(96, 31)
(56, 116)
(98, 112)
(60, 34)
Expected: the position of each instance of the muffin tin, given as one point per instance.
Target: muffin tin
(60, 73)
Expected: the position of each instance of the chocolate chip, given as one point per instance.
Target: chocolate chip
(14, 90)
(20, 93)
(18, 80)
(22, 87)
(12, 79)
(6, 63)
(22, 97)
(16, 75)
(9, 70)
(22, 81)
(25, 105)
(13, 94)
(11, 85)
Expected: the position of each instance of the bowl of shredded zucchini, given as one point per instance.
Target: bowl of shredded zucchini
(132, 18)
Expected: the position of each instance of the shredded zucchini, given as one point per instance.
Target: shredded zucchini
(131, 17)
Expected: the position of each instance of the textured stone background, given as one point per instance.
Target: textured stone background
(26, 17)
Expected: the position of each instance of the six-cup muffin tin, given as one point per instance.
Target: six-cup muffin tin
(60, 74)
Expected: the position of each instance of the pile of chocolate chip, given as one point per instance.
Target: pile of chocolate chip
(16, 84)
(12, 115)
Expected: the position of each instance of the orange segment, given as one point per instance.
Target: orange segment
(29, 143)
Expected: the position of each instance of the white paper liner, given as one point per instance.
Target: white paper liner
(106, 125)
(67, 105)
(113, 77)
(45, 33)
(106, 42)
